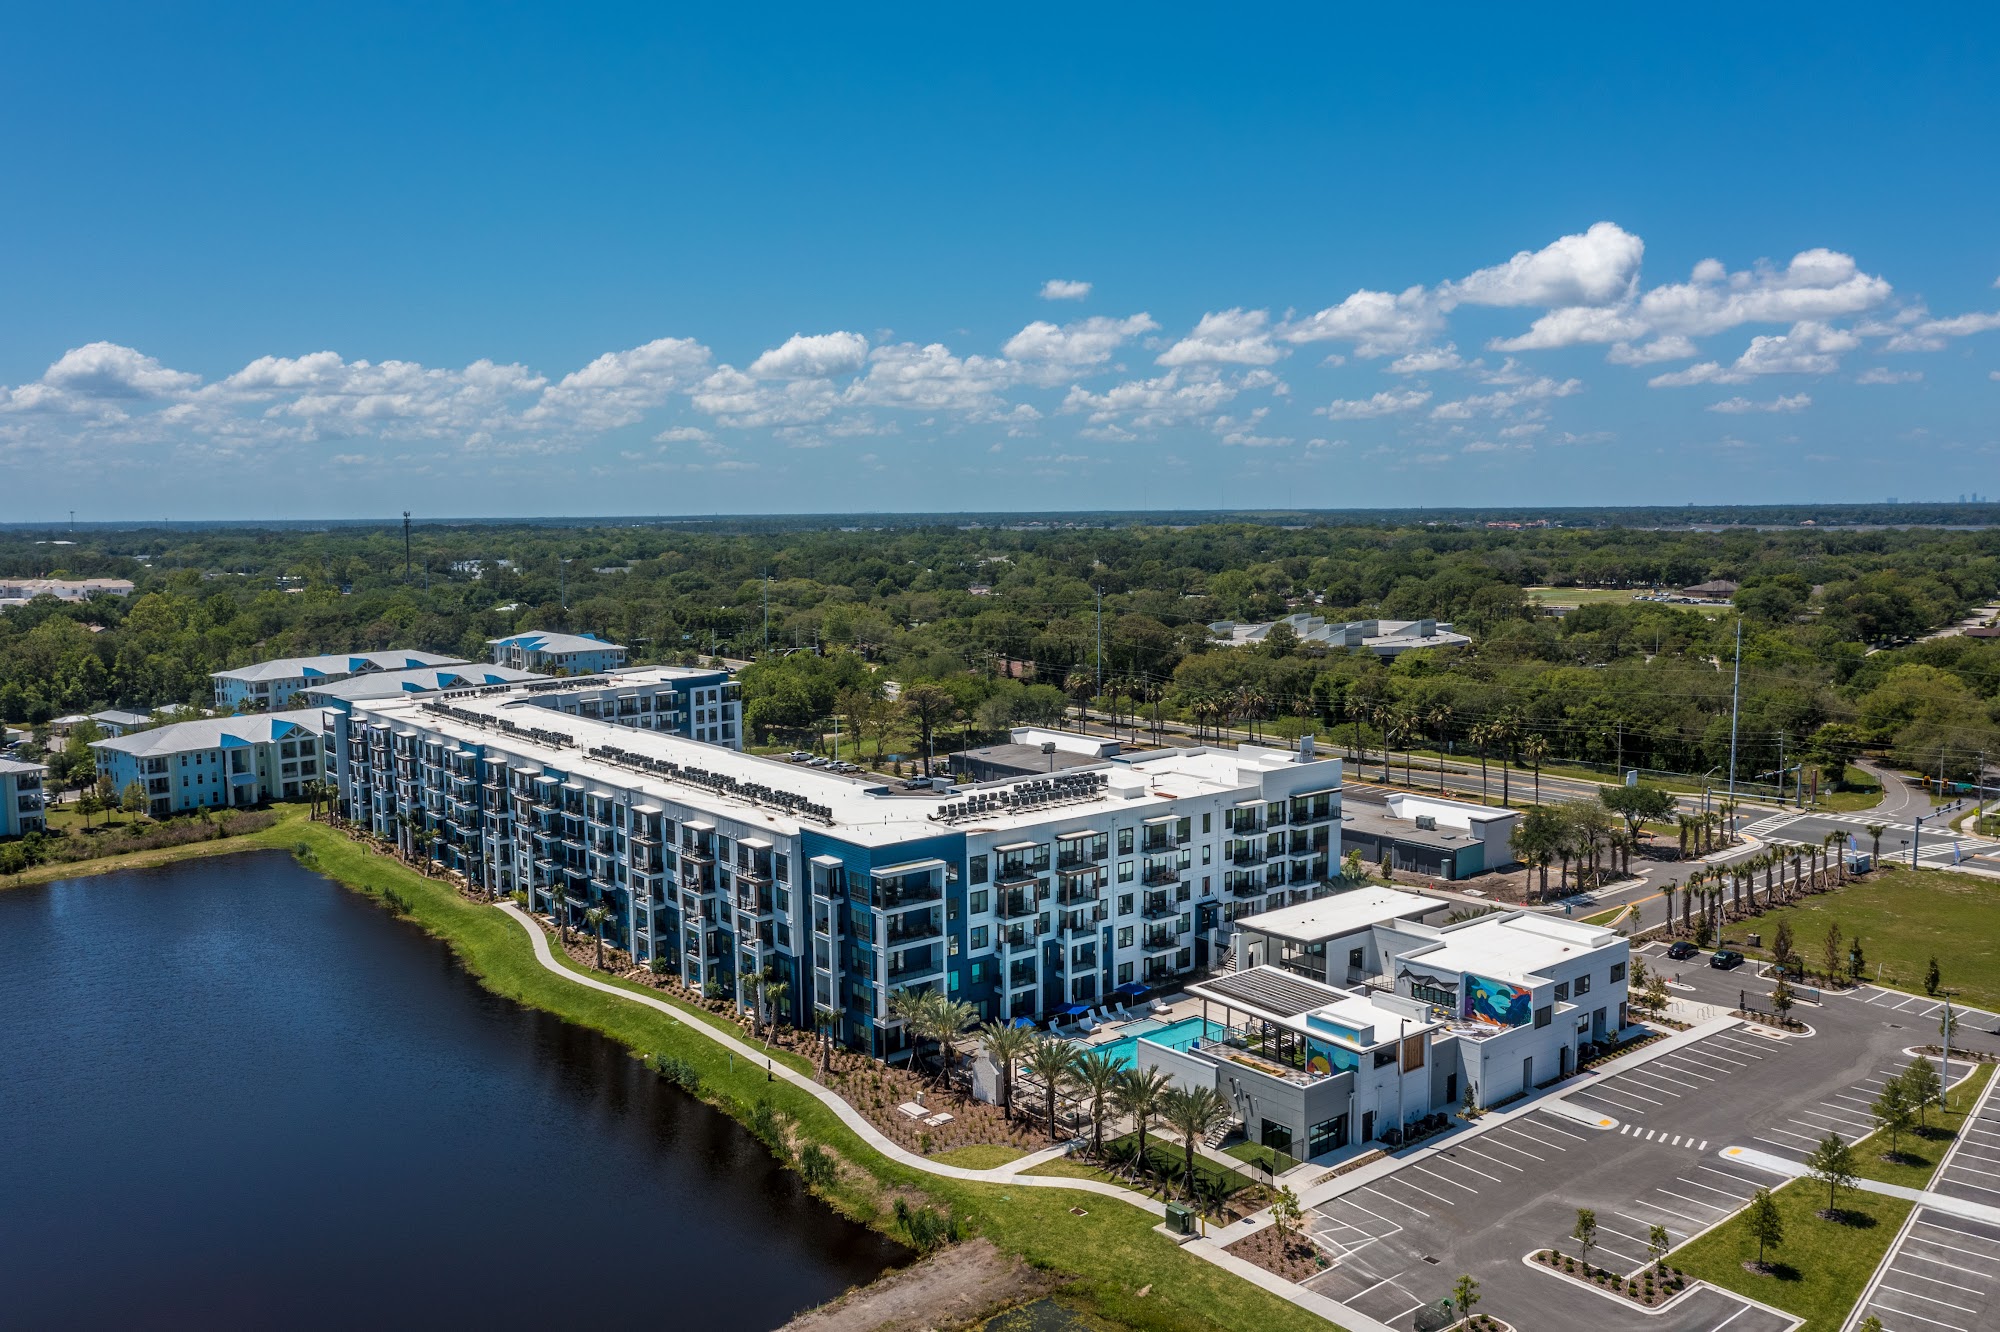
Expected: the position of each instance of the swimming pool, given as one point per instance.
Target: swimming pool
(1174, 1035)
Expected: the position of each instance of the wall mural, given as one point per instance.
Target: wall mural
(1497, 1002)
(1323, 1060)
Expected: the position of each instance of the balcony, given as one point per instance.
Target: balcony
(1159, 940)
(1247, 855)
(1080, 929)
(1153, 843)
(915, 962)
(914, 927)
(1020, 974)
(1155, 874)
(921, 892)
(1016, 904)
(1244, 825)
(1071, 893)
(1159, 906)
(1158, 971)
(1015, 871)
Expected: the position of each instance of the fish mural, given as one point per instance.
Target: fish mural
(1497, 1002)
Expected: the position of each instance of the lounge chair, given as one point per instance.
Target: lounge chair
(1159, 1006)
(1101, 1016)
(1126, 1015)
(1085, 1025)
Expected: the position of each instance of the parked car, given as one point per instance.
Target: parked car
(1725, 958)
(1680, 950)
(798, 756)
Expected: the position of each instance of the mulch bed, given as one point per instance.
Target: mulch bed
(1647, 1289)
(1294, 1259)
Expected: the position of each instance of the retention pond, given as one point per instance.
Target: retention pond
(238, 1095)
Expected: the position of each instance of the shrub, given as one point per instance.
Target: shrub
(817, 1166)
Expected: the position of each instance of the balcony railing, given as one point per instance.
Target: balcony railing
(1158, 906)
(1014, 905)
(1161, 874)
(912, 928)
(1160, 941)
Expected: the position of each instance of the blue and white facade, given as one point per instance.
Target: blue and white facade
(22, 798)
(219, 762)
(570, 654)
(703, 705)
(1021, 897)
(279, 684)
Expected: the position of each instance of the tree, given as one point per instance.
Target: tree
(1658, 1245)
(594, 916)
(1139, 1094)
(826, 1025)
(1534, 749)
(1767, 1227)
(88, 805)
(1922, 1088)
(1831, 1163)
(1097, 1075)
(1932, 980)
(133, 798)
(1005, 1044)
(1081, 685)
(1584, 1232)
(1286, 1214)
(1892, 1114)
(1781, 999)
(1465, 1291)
(1869, 1324)
(1053, 1062)
(1782, 946)
(1857, 961)
(1638, 805)
(930, 707)
(1829, 951)
(1193, 1114)
(1875, 831)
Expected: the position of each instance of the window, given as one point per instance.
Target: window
(980, 935)
(1430, 994)
(978, 871)
(1385, 1057)
(1124, 841)
(1617, 972)
(977, 969)
(1355, 958)
(1544, 1015)
(1207, 822)
(1125, 936)
(1562, 991)
(1124, 904)
(1207, 851)
(980, 902)
(1124, 871)
(1583, 985)
(1326, 1135)
(1124, 973)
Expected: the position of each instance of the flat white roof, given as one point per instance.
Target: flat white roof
(862, 809)
(1516, 946)
(1342, 913)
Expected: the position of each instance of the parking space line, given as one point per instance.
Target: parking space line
(1443, 1180)
(1935, 1281)
(1561, 1133)
(1954, 1230)
(1684, 1072)
(1990, 1174)
(1697, 1184)
(1654, 1077)
(1740, 1047)
(1695, 1202)
(1967, 1184)
(1726, 1175)
(1494, 1160)
(1787, 1133)
(1903, 1313)
(1940, 1244)
(1453, 1158)
(1390, 1197)
(1605, 1096)
(1696, 1221)
(1732, 1318)
(1928, 1299)
(1418, 1187)
(1491, 1140)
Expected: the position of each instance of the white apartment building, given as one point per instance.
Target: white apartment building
(1021, 897)
(21, 797)
(275, 684)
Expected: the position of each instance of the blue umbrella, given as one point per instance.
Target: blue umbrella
(1131, 988)
(1075, 1010)
(1024, 1022)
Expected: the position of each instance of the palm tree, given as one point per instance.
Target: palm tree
(1834, 860)
(1356, 707)
(594, 916)
(1139, 1094)
(1053, 1062)
(1440, 718)
(1097, 1074)
(1004, 1044)
(1535, 749)
(1482, 736)
(944, 1019)
(826, 1023)
(1505, 728)
(1875, 831)
(1194, 1114)
(776, 990)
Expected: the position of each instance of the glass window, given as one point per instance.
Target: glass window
(1125, 936)
(1207, 851)
(1124, 904)
(1544, 1015)
(1207, 822)
(978, 874)
(1583, 985)
(980, 935)
(1326, 1136)
(1124, 973)
(1562, 991)
(1124, 841)
(1124, 871)
(1617, 972)
(980, 903)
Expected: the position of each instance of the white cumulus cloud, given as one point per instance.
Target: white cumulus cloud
(1378, 323)
(1227, 337)
(1387, 403)
(1427, 360)
(1597, 267)
(1876, 374)
(1673, 347)
(1086, 342)
(1061, 289)
(812, 356)
(1796, 402)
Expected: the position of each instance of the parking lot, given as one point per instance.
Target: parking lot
(1941, 1275)
(1972, 1170)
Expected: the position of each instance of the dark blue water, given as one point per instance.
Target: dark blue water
(235, 1095)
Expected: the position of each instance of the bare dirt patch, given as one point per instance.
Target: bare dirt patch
(954, 1287)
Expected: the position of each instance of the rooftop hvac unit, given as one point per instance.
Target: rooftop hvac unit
(1427, 823)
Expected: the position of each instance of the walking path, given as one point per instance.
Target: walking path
(1008, 1174)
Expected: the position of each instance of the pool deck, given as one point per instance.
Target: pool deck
(1178, 1008)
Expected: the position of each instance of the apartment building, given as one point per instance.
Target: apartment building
(278, 684)
(218, 762)
(21, 797)
(569, 654)
(1356, 1016)
(1021, 897)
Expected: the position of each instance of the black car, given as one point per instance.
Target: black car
(1680, 950)
(1725, 958)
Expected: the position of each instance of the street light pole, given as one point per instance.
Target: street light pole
(1735, 707)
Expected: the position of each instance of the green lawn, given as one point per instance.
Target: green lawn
(1111, 1251)
(1904, 917)
(979, 1156)
(1862, 793)
(1820, 1269)
(1264, 1158)
(1921, 1155)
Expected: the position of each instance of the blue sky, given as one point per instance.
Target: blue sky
(492, 260)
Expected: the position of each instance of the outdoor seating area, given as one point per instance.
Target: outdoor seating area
(1091, 1023)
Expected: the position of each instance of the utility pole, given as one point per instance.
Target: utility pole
(1735, 708)
(562, 581)
(406, 545)
(1099, 593)
(767, 626)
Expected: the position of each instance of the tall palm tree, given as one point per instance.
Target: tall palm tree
(1194, 1114)
(1005, 1044)
(1052, 1061)
(1535, 749)
(1506, 727)
(1097, 1075)
(944, 1019)
(1875, 831)
(1138, 1094)
(1440, 719)
(1356, 707)
(594, 916)
(826, 1023)
(1482, 736)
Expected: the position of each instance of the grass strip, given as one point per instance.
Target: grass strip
(1821, 1268)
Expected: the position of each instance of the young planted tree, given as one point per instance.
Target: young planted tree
(87, 804)
(1052, 1061)
(1832, 1163)
(133, 799)
(1286, 1214)
(1658, 1245)
(1465, 1291)
(1584, 1232)
(1781, 999)
(1766, 1225)
(1933, 981)
(1829, 954)
(1097, 1076)
(1782, 946)
(1892, 1115)
(595, 916)
(1875, 831)
(826, 1025)
(1006, 1044)
(1922, 1088)
(1193, 1114)
(1140, 1094)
